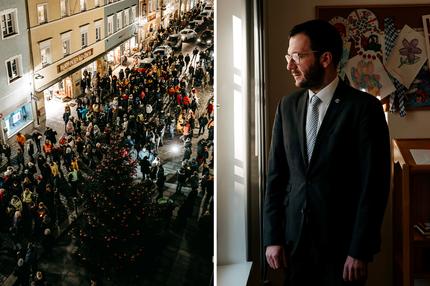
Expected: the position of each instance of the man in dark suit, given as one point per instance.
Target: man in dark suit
(329, 169)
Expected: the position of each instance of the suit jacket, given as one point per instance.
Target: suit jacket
(343, 190)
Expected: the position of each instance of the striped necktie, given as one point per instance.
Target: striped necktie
(312, 124)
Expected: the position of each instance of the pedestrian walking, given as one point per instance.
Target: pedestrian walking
(20, 139)
(181, 179)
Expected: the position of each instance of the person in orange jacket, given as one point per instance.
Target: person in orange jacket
(20, 139)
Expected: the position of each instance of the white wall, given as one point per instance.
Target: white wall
(280, 17)
(231, 143)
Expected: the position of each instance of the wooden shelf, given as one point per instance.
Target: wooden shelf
(422, 275)
(411, 195)
(418, 238)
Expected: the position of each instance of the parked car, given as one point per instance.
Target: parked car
(198, 20)
(162, 51)
(208, 7)
(206, 13)
(145, 64)
(174, 41)
(205, 38)
(188, 35)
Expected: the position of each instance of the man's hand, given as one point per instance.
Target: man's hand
(275, 255)
(354, 270)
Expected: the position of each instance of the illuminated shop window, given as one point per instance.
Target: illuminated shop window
(18, 119)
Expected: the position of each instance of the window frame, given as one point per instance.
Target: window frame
(83, 5)
(98, 29)
(111, 26)
(14, 19)
(126, 14)
(18, 67)
(66, 7)
(45, 45)
(84, 36)
(149, 6)
(133, 13)
(44, 6)
(119, 21)
(66, 37)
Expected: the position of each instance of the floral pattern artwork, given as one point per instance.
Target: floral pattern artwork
(409, 53)
(408, 56)
(369, 76)
(364, 77)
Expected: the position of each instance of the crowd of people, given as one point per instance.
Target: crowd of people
(146, 107)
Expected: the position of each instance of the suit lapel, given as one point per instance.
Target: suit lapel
(301, 115)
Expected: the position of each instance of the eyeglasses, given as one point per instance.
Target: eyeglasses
(296, 57)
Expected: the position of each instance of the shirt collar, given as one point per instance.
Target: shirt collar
(326, 94)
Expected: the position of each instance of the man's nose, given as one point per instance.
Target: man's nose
(291, 64)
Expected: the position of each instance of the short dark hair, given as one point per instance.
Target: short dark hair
(324, 37)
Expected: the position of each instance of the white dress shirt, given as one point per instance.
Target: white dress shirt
(325, 95)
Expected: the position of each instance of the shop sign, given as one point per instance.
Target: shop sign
(75, 60)
(151, 17)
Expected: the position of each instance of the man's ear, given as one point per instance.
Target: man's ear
(326, 59)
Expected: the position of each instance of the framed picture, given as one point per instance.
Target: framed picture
(362, 28)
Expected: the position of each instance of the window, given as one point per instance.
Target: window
(84, 36)
(98, 25)
(126, 17)
(84, 39)
(65, 39)
(64, 7)
(119, 21)
(142, 10)
(45, 53)
(13, 66)
(133, 13)
(42, 13)
(66, 47)
(9, 23)
(83, 5)
(110, 25)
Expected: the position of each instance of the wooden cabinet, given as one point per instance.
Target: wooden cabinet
(411, 205)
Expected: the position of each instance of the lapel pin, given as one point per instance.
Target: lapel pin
(337, 100)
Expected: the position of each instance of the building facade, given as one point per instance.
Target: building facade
(68, 37)
(154, 14)
(16, 105)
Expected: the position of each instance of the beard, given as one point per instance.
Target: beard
(313, 78)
